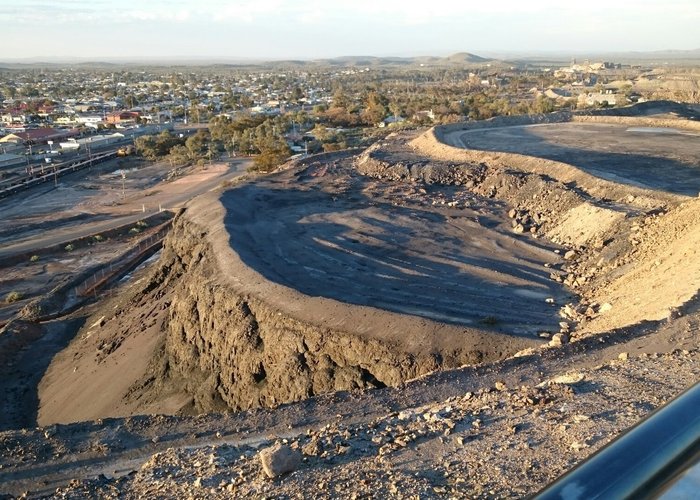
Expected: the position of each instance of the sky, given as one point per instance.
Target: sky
(308, 29)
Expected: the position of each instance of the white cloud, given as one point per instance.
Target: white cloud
(380, 26)
(389, 12)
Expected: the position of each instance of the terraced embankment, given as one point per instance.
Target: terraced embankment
(290, 287)
(354, 272)
(634, 212)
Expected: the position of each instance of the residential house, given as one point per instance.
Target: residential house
(123, 118)
(14, 119)
(89, 120)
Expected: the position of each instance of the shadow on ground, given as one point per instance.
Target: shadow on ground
(407, 260)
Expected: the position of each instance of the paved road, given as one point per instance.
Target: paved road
(169, 197)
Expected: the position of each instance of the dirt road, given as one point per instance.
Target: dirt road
(34, 215)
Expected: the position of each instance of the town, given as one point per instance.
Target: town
(299, 109)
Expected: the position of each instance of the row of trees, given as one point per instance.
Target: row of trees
(374, 106)
(249, 135)
(253, 134)
(178, 150)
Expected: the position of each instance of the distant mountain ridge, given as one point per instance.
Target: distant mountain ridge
(459, 58)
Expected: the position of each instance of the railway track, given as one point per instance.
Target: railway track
(53, 172)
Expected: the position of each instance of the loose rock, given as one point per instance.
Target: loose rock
(278, 460)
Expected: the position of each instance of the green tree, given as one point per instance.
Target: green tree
(296, 94)
(273, 151)
(340, 99)
(131, 101)
(179, 155)
(375, 109)
(197, 144)
(542, 104)
(153, 147)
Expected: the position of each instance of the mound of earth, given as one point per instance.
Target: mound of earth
(364, 271)
(320, 279)
(560, 280)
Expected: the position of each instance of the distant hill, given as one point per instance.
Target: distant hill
(467, 58)
(457, 59)
(463, 58)
(366, 61)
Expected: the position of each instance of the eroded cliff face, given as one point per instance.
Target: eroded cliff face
(232, 351)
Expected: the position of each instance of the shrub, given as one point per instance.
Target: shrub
(98, 237)
(69, 247)
(142, 223)
(13, 296)
(34, 258)
(489, 320)
(135, 230)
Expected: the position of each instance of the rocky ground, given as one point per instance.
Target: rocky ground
(607, 270)
(503, 430)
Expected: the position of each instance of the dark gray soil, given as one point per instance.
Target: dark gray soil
(656, 158)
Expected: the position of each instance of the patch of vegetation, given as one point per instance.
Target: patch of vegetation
(135, 230)
(142, 223)
(13, 296)
(69, 247)
(34, 258)
(489, 320)
(98, 237)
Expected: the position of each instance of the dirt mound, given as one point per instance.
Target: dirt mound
(661, 272)
(344, 282)
(649, 108)
(584, 223)
(355, 272)
(633, 255)
(572, 298)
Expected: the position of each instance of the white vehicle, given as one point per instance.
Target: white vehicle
(70, 145)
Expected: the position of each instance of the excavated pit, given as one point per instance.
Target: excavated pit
(355, 272)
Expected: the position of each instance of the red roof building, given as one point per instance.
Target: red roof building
(122, 117)
(38, 136)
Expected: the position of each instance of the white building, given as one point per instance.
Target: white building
(89, 119)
